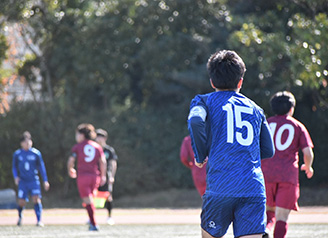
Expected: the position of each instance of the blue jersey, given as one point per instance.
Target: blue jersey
(232, 131)
(27, 164)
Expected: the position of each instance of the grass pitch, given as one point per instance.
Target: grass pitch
(142, 223)
(141, 231)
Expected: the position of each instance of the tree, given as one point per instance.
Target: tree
(132, 66)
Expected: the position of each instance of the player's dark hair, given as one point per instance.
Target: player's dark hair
(282, 102)
(101, 132)
(87, 130)
(25, 136)
(225, 69)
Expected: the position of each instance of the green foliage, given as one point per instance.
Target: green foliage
(146, 162)
(132, 68)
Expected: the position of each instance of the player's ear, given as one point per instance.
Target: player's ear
(291, 111)
(212, 85)
(240, 83)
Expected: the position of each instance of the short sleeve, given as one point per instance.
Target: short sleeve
(305, 138)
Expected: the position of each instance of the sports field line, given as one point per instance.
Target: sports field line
(307, 215)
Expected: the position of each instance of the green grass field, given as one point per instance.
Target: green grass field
(178, 217)
(141, 231)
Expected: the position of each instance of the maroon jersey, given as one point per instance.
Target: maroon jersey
(289, 136)
(188, 159)
(88, 154)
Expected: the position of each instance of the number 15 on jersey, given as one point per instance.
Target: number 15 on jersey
(234, 117)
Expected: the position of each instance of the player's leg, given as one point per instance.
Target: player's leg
(205, 234)
(249, 217)
(22, 199)
(271, 217)
(286, 200)
(90, 209)
(37, 209)
(281, 227)
(271, 190)
(217, 215)
(20, 208)
(252, 236)
(35, 191)
(86, 187)
(109, 205)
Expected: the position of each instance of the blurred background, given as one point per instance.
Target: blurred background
(132, 67)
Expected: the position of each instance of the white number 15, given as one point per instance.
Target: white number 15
(235, 115)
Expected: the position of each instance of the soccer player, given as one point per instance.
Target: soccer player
(281, 171)
(188, 159)
(90, 158)
(27, 163)
(232, 131)
(111, 159)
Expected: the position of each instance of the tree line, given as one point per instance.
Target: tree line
(132, 67)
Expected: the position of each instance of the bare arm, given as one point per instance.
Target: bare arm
(112, 170)
(70, 167)
(103, 168)
(308, 160)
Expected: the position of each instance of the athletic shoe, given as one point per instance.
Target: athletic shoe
(110, 221)
(267, 233)
(39, 224)
(93, 228)
(19, 223)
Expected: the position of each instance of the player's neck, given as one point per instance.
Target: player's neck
(26, 148)
(227, 90)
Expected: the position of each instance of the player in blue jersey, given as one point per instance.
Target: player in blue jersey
(232, 131)
(27, 162)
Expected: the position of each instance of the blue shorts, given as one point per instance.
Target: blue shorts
(28, 188)
(247, 215)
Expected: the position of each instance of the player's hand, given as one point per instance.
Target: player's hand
(46, 186)
(308, 171)
(17, 181)
(103, 180)
(200, 165)
(111, 180)
(72, 173)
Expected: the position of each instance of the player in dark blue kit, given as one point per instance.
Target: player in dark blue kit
(233, 132)
(27, 162)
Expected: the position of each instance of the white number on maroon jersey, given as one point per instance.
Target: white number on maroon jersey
(89, 152)
(278, 137)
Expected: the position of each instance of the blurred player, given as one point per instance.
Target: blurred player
(111, 159)
(27, 163)
(233, 132)
(90, 158)
(188, 159)
(281, 171)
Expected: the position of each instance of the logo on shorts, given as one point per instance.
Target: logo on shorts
(212, 225)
